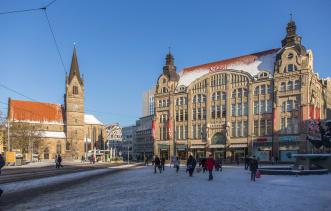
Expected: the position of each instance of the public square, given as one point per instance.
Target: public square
(141, 189)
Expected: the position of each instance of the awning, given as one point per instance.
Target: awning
(238, 146)
(198, 147)
(217, 146)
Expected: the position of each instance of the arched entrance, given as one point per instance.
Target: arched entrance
(218, 143)
(46, 153)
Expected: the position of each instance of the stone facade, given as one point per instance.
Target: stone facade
(260, 104)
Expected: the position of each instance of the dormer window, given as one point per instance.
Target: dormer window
(164, 90)
(290, 68)
(263, 74)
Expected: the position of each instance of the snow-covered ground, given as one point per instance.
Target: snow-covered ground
(141, 189)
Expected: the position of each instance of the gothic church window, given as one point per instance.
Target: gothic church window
(58, 147)
(75, 90)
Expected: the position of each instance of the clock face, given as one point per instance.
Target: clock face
(75, 107)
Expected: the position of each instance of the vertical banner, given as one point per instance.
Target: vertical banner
(311, 121)
(303, 119)
(317, 120)
(153, 129)
(169, 127)
(275, 128)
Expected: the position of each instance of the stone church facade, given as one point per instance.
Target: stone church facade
(262, 104)
(65, 129)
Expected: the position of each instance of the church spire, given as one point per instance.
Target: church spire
(170, 69)
(291, 38)
(74, 69)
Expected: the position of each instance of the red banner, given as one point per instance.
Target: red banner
(275, 128)
(311, 121)
(317, 120)
(153, 129)
(303, 118)
(169, 127)
(261, 139)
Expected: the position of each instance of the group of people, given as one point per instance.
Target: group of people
(58, 161)
(208, 164)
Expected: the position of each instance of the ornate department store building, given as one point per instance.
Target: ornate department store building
(262, 104)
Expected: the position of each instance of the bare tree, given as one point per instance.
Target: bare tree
(24, 135)
(73, 145)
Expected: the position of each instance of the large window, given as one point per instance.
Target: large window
(256, 107)
(239, 129)
(290, 105)
(75, 90)
(199, 98)
(233, 129)
(58, 147)
(233, 113)
(181, 101)
(217, 96)
(257, 91)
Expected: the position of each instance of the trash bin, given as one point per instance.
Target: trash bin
(19, 161)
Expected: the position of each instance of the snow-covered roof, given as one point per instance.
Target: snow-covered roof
(252, 63)
(51, 134)
(89, 119)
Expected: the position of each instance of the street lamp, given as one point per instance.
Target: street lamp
(252, 134)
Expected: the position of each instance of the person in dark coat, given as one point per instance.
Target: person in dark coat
(254, 165)
(59, 160)
(191, 163)
(246, 162)
(210, 163)
(203, 161)
(156, 164)
(2, 164)
(162, 163)
(218, 163)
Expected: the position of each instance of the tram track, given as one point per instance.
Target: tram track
(15, 175)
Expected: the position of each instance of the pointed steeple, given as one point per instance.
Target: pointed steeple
(74, 69)
(170, 69)
(291, 38)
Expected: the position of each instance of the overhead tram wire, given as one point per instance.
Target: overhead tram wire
(55, 109)
(43, 8)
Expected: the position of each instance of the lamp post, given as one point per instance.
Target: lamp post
(128, 155)
(86, 147)
(8, 126)
(252, 134)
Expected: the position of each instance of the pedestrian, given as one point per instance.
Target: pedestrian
(276, 160)
(246, 162)
(191, 163)
(254, 165)
(39, 159)
(146, 161)
(210, 163)
(272, 160)
(162, 163)
(152, 161)
(157, 164)
(83, 159)
(218, 163)
(56, 162)
(177, 163)
(93, 160)
(59, 160)
(2, 164)
(199, 161)
(90, 159)
(238, 160)
(203, 161)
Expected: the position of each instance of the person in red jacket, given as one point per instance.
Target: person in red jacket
(210, 163)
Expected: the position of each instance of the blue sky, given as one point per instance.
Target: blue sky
(121, 45)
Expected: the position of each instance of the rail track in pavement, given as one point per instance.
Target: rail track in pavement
(22, 174)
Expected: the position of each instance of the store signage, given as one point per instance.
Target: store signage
(261, 139)
(289, 139)
(180, 142)
(221, 67)
(10, 158)
(163, 143)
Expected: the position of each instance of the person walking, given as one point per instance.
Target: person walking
(254, 165)
(276, 160)
(59, 160)
(162, 163)
(152, 161)
(83, 159)
(157, 164)
(2, 164)
(210, 163)
(56, 162)
(218, 163)
(146, 161)
(272, 160)
(93, 160)
(177, 163)
(203, 161)
(246, 162)
(191, 163)
(238, 160)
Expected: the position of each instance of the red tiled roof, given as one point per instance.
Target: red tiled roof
(247, 59)
(28, 111)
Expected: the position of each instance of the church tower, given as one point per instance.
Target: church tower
(74, 105)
